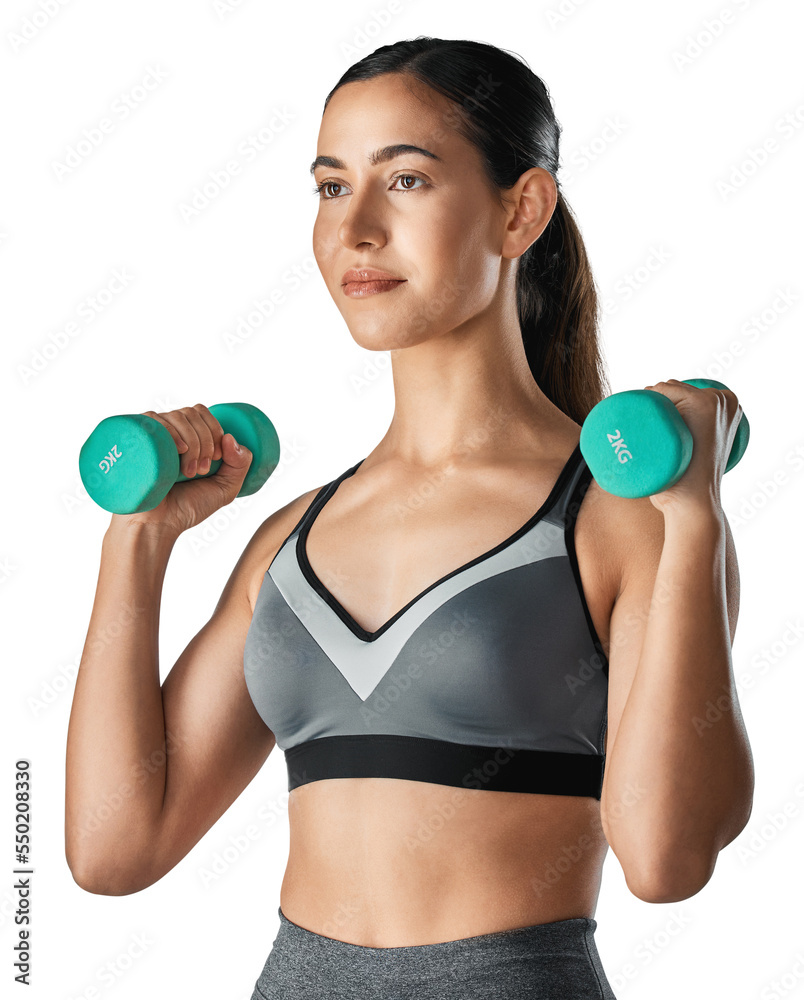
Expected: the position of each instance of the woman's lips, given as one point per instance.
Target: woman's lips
(359, 289)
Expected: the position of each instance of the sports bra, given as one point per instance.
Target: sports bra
(493, 677)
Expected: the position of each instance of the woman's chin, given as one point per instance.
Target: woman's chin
(379, 343)
(378, 338)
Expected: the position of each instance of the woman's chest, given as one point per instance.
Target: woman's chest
(453, 624)
(376, 564)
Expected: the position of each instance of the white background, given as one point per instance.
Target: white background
(678, 177)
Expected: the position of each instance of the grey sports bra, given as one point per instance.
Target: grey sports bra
(492, 678)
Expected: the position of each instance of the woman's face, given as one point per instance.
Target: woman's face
(436, 223)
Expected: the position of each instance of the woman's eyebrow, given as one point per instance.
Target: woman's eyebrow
(378, 156)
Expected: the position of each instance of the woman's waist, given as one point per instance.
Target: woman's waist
(376, 914)
(381, 861)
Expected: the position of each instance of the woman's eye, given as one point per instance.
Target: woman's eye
(319, 190)
(408, 177)
(325, 185)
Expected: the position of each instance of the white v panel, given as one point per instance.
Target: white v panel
(364, 663)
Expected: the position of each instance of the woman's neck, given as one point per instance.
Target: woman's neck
(457, 398)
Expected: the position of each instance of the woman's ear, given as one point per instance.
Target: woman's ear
(531, 203)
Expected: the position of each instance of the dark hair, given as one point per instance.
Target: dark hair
(504, 109)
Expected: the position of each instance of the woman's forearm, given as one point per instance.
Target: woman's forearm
(681, 735)
(116, 742)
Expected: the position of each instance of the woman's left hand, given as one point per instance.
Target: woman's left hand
(712, 416)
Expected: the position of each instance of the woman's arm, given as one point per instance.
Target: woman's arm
(113, 799)
(150, 768)
(679, 776)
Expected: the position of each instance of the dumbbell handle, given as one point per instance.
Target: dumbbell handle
(130, 461)
(740, 441)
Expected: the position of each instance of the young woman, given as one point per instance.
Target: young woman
(451, 638)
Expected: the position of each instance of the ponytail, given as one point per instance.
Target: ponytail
(559, 317)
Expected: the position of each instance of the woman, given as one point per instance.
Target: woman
(427, 636)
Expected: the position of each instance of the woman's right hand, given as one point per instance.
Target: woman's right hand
(199, 440)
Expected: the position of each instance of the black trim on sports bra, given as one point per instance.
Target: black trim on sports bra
(343, 614)
(296, 525)
(460, 765)
(573, 507)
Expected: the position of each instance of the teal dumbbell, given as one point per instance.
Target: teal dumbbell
(129, 462)
(636, 442)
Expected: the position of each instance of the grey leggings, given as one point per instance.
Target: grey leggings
(554, 961)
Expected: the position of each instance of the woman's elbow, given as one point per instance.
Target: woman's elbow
(106, 880)
(672, 884)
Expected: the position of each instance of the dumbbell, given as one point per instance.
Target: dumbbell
(636, 442)
(130, 461)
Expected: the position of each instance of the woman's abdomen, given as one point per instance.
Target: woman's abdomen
(385, 862)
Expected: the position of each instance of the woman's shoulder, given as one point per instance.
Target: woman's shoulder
(269, 536)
